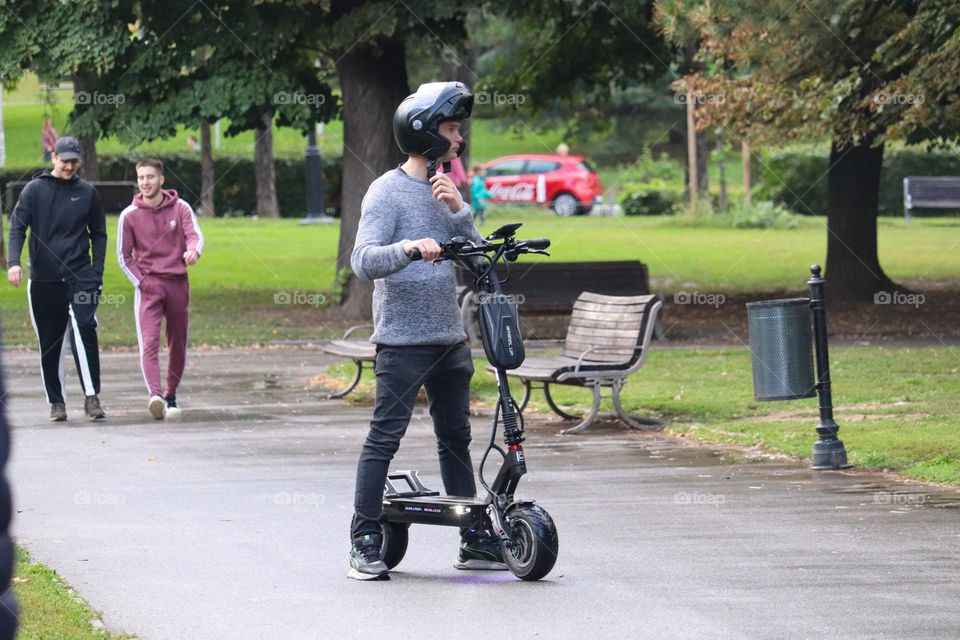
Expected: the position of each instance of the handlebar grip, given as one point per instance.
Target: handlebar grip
(537, 243)
(415, 254)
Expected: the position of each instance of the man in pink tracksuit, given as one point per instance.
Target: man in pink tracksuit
(157, 238)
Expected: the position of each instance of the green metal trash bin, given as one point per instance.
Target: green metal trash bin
(781, 348)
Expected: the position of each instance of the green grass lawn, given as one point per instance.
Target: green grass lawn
(50, 609)
(896, 407)
(250, 262)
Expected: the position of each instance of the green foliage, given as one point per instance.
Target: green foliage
(657, 197)
(235, 190)
(798, 179)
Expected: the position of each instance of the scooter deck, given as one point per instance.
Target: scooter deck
(453, 511)
(421, 505)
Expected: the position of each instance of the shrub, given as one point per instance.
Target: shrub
(654, 198)
(235, 190)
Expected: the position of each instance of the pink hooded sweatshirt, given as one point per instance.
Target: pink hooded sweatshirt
(152, 241)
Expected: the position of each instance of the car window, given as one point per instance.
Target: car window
(586, 166)
(508, 168)
(542, 166)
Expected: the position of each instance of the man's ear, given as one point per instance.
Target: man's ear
(162, 178)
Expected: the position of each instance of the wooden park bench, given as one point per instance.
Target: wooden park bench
(551, 288)
(924, 192)
(115, 195)
(607, 341)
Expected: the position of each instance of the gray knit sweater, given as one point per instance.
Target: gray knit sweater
(414, 303)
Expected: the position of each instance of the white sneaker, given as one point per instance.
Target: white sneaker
(156, 407)
(172, 411)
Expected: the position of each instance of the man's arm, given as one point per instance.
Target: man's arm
(20, 219)
(97, 224)
(375, 255)
(125, 245)
(191, 233)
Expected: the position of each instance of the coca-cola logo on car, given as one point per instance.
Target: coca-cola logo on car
(515, 192)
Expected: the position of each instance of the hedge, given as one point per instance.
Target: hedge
(235, 190)
(798, 181)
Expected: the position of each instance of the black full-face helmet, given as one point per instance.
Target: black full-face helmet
(417, 120)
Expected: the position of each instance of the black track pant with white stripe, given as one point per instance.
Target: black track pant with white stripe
(62, 311)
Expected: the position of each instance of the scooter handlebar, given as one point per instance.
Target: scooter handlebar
(537, 244)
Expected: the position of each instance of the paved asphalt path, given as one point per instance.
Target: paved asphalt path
(233, 524)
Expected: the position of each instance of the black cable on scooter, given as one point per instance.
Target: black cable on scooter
(493, 441)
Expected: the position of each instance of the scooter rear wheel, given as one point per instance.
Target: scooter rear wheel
(395, 539)
(533, 542)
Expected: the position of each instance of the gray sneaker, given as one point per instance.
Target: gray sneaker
(365, 560)
(92, 406)
(58, 412)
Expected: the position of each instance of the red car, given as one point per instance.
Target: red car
(567, 183)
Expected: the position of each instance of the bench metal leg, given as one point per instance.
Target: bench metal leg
(588, 420)
(553, 405)
(356, 381)
(526, 395)
(637, 422)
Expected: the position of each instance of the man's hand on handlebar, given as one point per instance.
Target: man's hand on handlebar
(427, 248)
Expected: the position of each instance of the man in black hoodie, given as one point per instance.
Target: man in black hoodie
(65, 217)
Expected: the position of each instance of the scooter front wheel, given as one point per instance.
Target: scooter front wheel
(395, 539)
(533, 547)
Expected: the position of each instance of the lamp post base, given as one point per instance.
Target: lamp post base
(829, 454)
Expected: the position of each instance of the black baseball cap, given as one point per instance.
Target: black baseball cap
(67, 148)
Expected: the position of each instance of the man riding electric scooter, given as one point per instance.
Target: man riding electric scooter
(406, 213)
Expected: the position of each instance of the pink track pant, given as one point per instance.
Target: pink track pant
(163, 298)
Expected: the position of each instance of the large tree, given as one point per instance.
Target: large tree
(857, 73)
(82, 39)
(196, 63)
(367, 41)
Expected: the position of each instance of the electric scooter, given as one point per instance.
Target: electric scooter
(526, 532)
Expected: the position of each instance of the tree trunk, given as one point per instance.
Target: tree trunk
(207, 175)
(745, 162)
(89, 167)
(853, 184)
(264, 170)
(693, 189)
(703, 160)
(721, 171)
(372, 86)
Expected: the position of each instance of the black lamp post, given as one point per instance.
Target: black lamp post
(316, 212)
(828, 450)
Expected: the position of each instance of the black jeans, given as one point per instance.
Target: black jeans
(445, 371)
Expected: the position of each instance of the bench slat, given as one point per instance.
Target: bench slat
(586, 333)
(589, 296)
(603, 308)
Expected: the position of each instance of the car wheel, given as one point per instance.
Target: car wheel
(566, 204)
